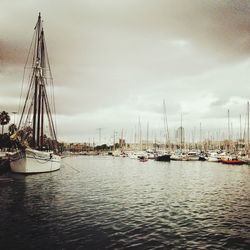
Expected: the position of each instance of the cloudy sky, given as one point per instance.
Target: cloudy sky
(116, 60)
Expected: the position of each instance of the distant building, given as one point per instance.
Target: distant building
(77, 147)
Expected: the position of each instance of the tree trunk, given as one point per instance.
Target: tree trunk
(2, 129)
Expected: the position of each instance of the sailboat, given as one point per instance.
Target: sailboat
(164, 156)
(37, 145)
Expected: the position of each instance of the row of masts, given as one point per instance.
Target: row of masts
(217, 138)
(240, 135)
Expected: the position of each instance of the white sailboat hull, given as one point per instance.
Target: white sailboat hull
(213, 159)
(34, 161)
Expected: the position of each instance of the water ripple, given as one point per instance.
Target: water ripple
(113, 203)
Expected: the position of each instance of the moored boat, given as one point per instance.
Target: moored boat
(178, 157)
(232, 161)
(36, 140)
(213, 157)
(192, 156)
(142, 158)
(34, 161)
(163, 157)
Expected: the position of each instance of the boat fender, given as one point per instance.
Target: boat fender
(50, 155)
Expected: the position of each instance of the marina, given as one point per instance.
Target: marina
(125, 125)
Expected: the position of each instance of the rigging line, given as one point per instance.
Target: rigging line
(49, 113)
(27, 59)
(25, 102)
(47, 56)
(51, 125)
(52, 84)
(47, 100)
(66, 164)
(48, 118)
(29, 111)
(34, 49)
(28, 101)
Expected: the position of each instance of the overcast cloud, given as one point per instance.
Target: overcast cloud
(116, 60)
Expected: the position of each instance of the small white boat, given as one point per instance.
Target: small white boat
(137, 155)
(213, 157)
(192, 156)
(178, 157)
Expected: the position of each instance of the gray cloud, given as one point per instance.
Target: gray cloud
(115, 60)
(11, 53)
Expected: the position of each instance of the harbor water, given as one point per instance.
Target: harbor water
(97, 202)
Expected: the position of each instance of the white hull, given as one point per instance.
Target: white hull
(212, 159)
(178, 157)
(192, 158)
(34, 161)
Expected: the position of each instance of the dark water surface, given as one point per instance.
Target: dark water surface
(119, 203)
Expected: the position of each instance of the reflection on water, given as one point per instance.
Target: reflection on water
(114, 203)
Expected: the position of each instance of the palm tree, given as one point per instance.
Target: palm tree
(4, 119)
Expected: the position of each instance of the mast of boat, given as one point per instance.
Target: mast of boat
(39, 65)
(167, 140)
(135, 138)
(122, 140)
(240, 128)
(114, 141)
(193, 137)
(140, 132)
(232, 137)
(228, 127)
(181, 133)
(200, 138)
(35, 66)
(40, 115)
(147, 133)
(248, 127)
(228, 124)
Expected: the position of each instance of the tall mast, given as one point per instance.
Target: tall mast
(39, 115)
(122, 139)
(181, 132)
(247, 126)
(240, 128)
(228, 124)
(42, 75)
(147, 133)
(114, 141)
(166, 124)
(36, 65)
(42, 121)
(140, 133)
(200, 137)
(135, 136)
(34, 114)
(39, 87)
